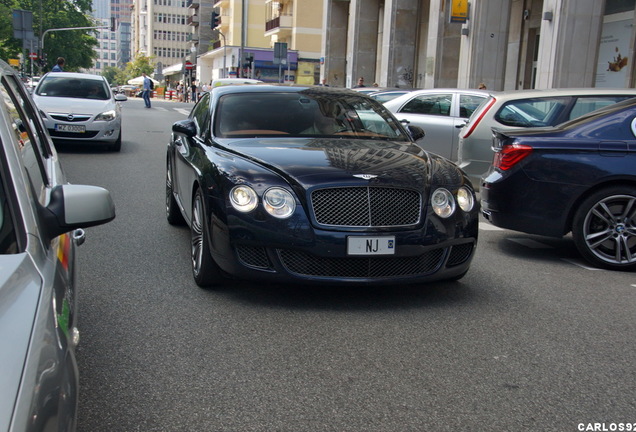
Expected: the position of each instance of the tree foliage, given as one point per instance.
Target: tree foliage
(76, 46)
(140, 64)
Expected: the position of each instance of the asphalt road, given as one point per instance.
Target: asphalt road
(529, 340)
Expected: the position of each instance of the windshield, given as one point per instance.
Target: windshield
(304, 114)
(58, 85)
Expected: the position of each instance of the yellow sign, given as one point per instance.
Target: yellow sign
(459, 11)
(14, 62)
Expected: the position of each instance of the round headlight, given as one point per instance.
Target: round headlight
(443, 203)
(465, 199)
(243, 198)
(279, 203)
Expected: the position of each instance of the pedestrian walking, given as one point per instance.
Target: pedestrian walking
(59, 65)
(147, 88)
(194, 92)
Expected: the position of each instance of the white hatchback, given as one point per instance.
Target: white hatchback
(79, 107)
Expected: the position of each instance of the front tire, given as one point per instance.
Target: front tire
(116, 146)
(604, 228)
(173, 212)
(205, 271)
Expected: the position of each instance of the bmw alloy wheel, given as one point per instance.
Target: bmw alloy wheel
(605, 228)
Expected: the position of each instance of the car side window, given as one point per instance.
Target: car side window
(201, 115)
(534, 112)
(438, 104)
(586, 104)
(8, 237)
(468, 104)
(25, 136)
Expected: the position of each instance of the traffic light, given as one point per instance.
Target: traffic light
(216, 19)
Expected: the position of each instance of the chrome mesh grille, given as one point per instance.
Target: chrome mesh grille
(306, 264)
(366, 206)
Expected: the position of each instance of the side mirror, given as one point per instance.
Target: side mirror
(120, 97)
(185, 127)
(77, 206)
(416, 132)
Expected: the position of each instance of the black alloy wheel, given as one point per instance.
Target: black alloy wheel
(205, 271)
(604, 228)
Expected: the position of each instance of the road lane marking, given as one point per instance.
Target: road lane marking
(183, 111)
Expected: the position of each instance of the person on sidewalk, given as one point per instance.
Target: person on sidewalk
(146, 90)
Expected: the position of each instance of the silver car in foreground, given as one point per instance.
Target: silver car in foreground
(525, 109)
(440, 112)
(41, 222)
(80, 107)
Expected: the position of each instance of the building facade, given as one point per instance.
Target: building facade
(537, 44)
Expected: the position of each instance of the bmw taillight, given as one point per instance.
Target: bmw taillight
(510, 155)
(473, 123)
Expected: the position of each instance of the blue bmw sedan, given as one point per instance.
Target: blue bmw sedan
(578, 177)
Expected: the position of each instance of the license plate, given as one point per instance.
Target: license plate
(371, 245)
(70, 128)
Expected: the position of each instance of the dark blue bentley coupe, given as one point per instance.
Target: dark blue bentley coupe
(314, 184)
(578, 177)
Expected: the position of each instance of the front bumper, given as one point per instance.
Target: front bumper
(97, 131)
(434, 252)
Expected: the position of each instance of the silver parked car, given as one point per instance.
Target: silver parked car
(41, 222)
(440, 112)
(80, 107)
(525, 108)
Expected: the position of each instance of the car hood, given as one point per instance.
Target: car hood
(311, 161)
(73, 105)
(20, 286)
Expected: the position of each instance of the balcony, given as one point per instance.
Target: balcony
(194, 4)
(193, 20)
(281, 26)
(221, 3)
(216, 45)
(192, 37)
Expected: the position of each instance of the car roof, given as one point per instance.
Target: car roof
(76, 75)
(283, 88)
(527, 94)
(453, 90)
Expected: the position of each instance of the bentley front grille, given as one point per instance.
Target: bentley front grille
(366, 206)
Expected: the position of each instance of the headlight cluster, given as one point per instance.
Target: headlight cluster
(278, 202)
(106, 116)
(444, 203)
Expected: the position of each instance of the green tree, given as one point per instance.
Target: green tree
(76, 46)
(140, 64)
(110, 73)
(9, 47)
